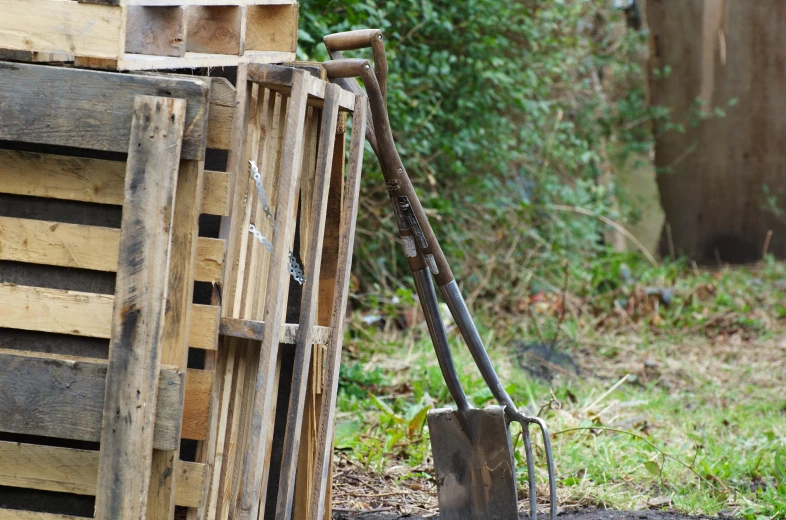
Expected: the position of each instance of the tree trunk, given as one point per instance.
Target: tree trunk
(712, 175)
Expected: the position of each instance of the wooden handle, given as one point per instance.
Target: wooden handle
(346, 68)
(351, 40)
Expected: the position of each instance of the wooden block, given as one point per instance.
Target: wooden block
(222, 113)
(140, 302)
(66, 470)
(191, 60)
(199, 384)
(216, 29)
(53, 396)
(348, 221)
(156, 30)
(271, 28)
(90, 109)
(205, 320)
(252, 329)
(55, 26)
(88, 180)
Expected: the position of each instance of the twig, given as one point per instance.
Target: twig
(608, 221)
(564, 311)
(766, 244)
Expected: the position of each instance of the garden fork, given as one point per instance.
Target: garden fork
(465, 483)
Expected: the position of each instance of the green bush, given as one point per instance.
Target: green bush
(501, 110)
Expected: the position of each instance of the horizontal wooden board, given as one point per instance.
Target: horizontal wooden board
(87, 247)
(251, 329)
(67, 470)
(279, 78)
(15, 514)
(191, 2)
(87, 180)
(67, 27)
(90, 109)
(132, 62)
(52, 396)
(85, 314)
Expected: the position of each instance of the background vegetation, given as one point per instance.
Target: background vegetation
(513, 118)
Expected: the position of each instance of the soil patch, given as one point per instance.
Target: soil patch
(600, 514)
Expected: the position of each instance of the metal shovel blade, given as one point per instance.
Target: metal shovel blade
(473, 462)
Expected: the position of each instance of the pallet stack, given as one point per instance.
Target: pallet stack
(136, 366)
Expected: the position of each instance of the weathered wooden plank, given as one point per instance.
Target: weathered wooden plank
(54, 26)
(199, 384)
(308, 309)
(279, 79)
(90, 109)
(59, 396)
(177, 321)
(278, 282)
(333, 361)
(156, 30)
(252, 329)
(192, 60)
(87, 247)
(68, 470)
(216, 29)
(15, 514)
(55, 310)
(272, 28)
(85, 314)
(140, 302)
(87, 180)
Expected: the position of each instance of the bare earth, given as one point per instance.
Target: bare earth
(583, 515)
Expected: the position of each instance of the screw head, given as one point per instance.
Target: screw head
(366, 66)
(400, 170)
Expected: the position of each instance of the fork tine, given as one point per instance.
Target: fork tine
(533, 492)
(550, 465)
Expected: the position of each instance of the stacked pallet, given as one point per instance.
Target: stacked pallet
(136, 366)
(149, 34)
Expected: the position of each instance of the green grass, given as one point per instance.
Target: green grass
(680, 406)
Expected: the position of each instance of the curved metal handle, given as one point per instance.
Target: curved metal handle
(361, 39)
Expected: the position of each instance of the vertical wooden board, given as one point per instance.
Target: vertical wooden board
(140, 301)
(215, 29)
(177, 321)
(333, 359)
(272, 28)
(278, 277)
(313, 257)
(55, 26)
(159, 31)
(310, 449)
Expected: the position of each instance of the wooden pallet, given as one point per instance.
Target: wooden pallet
(149, 34)
(292, 123)
(99, 314)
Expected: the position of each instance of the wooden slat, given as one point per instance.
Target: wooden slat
(14, 514)
(88, 180)
(252, 329)
(333, 361)
(308, 308)
(85, 314)
(177, 322)
(87, 247)
(131, 62)
(68, 470)
(199, 384)
(216, 29)
(90, 109)
(140, 301)
(54, 26)
(278, 282)
(156, 30)
(56, 396)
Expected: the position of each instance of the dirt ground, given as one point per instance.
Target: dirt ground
(581, 515)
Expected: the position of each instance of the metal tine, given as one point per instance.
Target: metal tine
(526, 422)
(533, 490)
